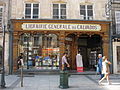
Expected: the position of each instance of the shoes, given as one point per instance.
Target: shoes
(109, 83)
(99, 83)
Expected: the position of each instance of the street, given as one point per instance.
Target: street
(51, 82)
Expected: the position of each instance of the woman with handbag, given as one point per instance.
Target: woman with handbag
(105, 70)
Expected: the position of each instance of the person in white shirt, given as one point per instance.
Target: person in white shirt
(105, 70)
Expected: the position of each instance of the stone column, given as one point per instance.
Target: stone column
(61, 44)
(74, 51)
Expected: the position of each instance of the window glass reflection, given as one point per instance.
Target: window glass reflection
(41, 51)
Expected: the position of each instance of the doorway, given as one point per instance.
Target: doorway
(89, 47)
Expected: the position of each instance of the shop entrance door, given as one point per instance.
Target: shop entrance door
(89, 47)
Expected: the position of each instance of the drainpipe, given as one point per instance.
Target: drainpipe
(10, 30)
(10, 50)
(110, 37)
(111, 49)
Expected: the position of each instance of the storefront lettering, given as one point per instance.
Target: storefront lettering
(59, 26)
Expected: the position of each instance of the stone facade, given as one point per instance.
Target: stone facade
(73, 8)
(72, 16)
(115, 35)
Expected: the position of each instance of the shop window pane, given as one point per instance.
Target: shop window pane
(41, 51)
(36, 41)
(25, 39)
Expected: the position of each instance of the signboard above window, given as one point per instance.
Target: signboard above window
(61, 26)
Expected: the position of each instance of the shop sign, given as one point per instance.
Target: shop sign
(61, 26)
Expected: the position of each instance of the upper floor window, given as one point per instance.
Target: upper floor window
(117, 20)
(59, 11)
(86, 12)
(1, 17)
(31, 11)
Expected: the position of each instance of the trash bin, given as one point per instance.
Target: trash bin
(64, 79)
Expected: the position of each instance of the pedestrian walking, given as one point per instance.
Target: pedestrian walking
(65, 63)
(100, 65)
(20, 60)
(105, 70)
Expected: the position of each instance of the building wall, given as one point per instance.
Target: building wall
(73, 8)
(115, 7)
(5, 3)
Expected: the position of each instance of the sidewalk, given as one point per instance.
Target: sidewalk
(51, 82)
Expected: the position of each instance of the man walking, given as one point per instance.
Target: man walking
(100, 65)
(65, 64)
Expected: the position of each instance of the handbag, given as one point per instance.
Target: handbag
(97, 69)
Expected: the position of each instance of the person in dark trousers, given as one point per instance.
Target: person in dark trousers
(100, 65)
(65, 63)
(19, 63)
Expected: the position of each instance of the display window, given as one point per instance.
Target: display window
(40, 51)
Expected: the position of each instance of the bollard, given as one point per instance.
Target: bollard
(63, 79)
(21, 76)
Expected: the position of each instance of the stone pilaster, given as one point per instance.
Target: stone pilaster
(105, 40)
(15, 50)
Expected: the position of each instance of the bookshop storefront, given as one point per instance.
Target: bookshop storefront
(43, 42)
